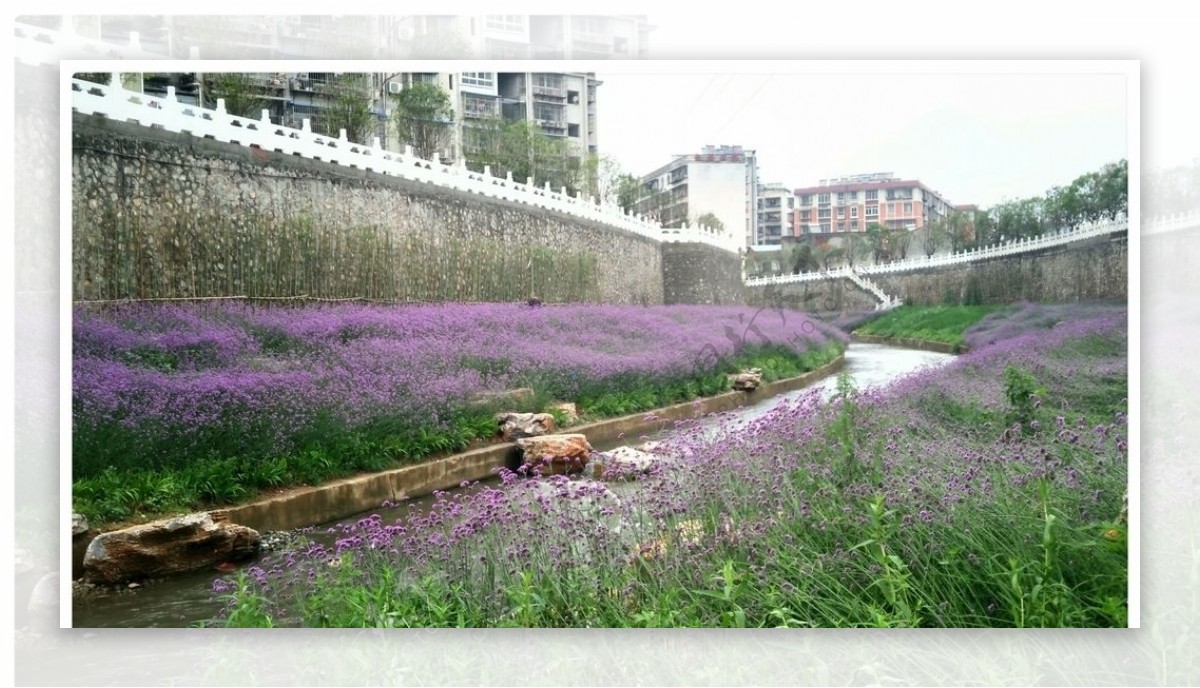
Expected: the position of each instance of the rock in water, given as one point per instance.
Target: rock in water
(514, 426)
(166, 547)
(553, 454)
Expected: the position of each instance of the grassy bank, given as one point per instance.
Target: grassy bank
(988, 493)
(944, 324)
(188, 408)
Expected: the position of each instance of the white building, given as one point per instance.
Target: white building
(722, 180)
(776, 205)
(523, 36)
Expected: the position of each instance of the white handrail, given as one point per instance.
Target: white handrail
(117, 103)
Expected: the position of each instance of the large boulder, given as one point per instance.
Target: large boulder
(553, 454)
(514, 426)
(166, 547)
(622, 463)
(746, 381)
(569, 411)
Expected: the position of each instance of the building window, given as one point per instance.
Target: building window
(823, 199)
(479, 79)
(873, 195)
(872, 211)
(506, 22)
(823, 213)
(854, 211)
(841, 213)
(806, 199)
(841, 226)
(908, 208)
(825, 227)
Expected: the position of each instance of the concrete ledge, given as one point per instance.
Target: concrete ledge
(908, 343)
(353, 495)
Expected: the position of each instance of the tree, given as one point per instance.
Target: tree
(521, 148)
(877, 236)
(855, 248)
(241, 92)
(629, 189)
(423, 118)
(349, 108)
(711, 221)
(934, 235)
(898, 243)
(803, 259)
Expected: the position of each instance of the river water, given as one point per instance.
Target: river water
(185, 600)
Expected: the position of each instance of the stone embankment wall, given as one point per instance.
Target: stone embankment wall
(702, 274)
(163, 215)
(1095, 270)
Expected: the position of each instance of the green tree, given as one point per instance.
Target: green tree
(877, 237)
(898, 243)
(803, 259)
(423, 118)
(932, 237)
(629, 189)
(349, 108)
(241, 92)
(855, 248)
(521, 148)
(711, 221)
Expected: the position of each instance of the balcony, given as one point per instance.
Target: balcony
(480, 108)
(549, 92)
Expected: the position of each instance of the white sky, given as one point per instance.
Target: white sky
(976, 138)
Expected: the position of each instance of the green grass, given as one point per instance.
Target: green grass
(943, 324)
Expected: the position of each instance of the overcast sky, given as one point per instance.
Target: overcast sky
(977, 138)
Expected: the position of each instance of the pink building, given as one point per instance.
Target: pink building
(849, 204)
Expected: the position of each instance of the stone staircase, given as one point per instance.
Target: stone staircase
(885, 302)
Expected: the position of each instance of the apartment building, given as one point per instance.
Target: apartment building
(722, 180)
(491, 36)
(776, 214)
(538, 37)
(561, 104)
(849, 204)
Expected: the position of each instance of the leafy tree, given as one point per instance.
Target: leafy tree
(629, 188)
(522, 149)
(711, 221)
(877, 236)
(349, 108)
(423, 118)
(241, 92)
(803, 259)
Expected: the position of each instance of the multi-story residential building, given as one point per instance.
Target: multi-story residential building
(722, 180)
(492, 36)
(776, 214)
(539, 37)
(561, 104)
(850, 204)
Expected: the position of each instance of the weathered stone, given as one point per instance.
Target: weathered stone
(552, 454)
(747, 380)
(79, 525)
(514, 426)
(622, 463)
(569, 410)
(166, 547)
(511, 397)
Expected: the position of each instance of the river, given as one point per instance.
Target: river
(182, 601)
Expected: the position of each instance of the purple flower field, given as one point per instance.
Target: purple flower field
(162, 385)
(988, 492)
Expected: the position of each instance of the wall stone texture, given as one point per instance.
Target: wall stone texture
(701, 274)
(163, 215)
(1094, 270)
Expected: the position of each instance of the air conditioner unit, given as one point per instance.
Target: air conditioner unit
(395, 87)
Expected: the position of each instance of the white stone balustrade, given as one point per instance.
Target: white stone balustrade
(114, 102)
